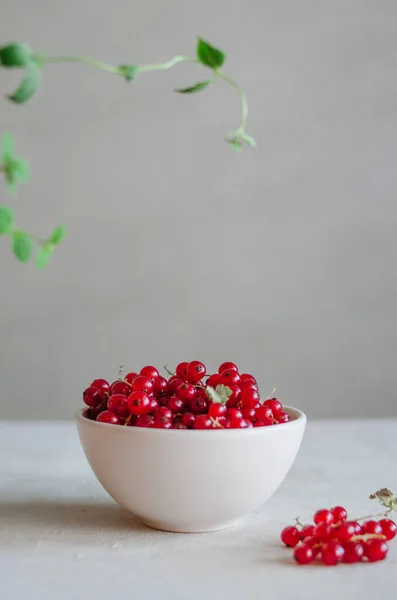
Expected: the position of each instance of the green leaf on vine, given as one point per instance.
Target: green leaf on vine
(22, 245)
(209, 55)
(43, 255)
(6, 219)
(15, 55)
(57, 235)
(219, 395)
(129, 72)
(15, 169)
(201, 85)
(28, 85)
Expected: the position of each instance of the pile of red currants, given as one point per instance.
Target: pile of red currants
(188, 399)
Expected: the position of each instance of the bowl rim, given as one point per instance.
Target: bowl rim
(298, 420)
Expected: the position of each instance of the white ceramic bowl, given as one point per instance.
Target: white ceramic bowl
(191, 480)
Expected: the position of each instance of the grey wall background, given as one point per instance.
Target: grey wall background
(281, 258)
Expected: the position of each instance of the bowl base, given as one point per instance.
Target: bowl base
(164, 527)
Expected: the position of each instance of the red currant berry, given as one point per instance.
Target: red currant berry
(332, 553)
(274, 405)
(175, 404)
(139, 403)
(354, 551)
(389, 528)
(346, 531)
(222, 422)
(120, 387)
(129, 378)
(179, 425)
(186, 392)
(181, 371)
(162, 424)
(375, 549)
(160, 386)
(143, 384)
(195, 371)
(239, 423)
(248, 413)
(153, 404)
(108, 417)
(263, 423)
(263, 413)
(174, 383)
(249, 398)
(248, 385)
(313, 543)
(232, 413)
(235, 396)
(304, 555)
(163, 413)
(92, 397)
(229, 377)
(188, 419)
(150, 372)
(372, 527)
(144, 421)
(323, 532)
(227, 366)
(214, 380)
(198, 406)
(101, 385)
(339, 514)
(202, 422)
(118, 404)
(306, 531)
(247, 377)
(290, 536)
(282, 417)
(358, 528)
(216, 410)
(322, 516)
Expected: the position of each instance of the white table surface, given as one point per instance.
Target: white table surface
(63, 538)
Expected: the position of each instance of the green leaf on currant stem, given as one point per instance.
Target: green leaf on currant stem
(249, 140)
(15, 55)
(129, 72)
(6, 219)
(209, 55)
(201, 85)
(218, 395)
(29, 84)
(22, 245)
(43, 255)
(57, 235)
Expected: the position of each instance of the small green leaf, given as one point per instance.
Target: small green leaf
(235, 142)
(57, 235)
(248, 139)
(7, 144)
(22, 245)
(28, 86)
(15, 55)
(208, 55)
(201, 85)
(6, 219)
(219, 395)
(43, 255)
(129, 72)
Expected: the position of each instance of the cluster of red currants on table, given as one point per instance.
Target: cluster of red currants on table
(333, 539)
(188, 399)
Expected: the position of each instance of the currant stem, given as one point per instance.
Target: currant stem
(243, 98)
(167, 65)
(83, 60)
(384, 514)
(166, 369)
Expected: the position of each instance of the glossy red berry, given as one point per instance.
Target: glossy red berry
(248, 385)
(227, 366)
(145, 421)
(120, 387)
(304, 554)
(389, 528)
(101, 385)
(346, 531)
(181, 371)
(143, 384)
(154, 403)
(118, 404)
(92, 397)
(263, 423)
(186, 392)
(232, 413)
(163, 412)
(239, 423)
(290, 536)
(354, 552)
(332, 553)
(188, 419)
(230, 376)
(174, 383)
(202, 422)
(108, 417)
(176, 404)
(214, 380)
(129, 378)
(282, 417)
(375, 549)
(150, 372)
(138, 403)
(160, 386)
(235, 396)
(195, 371)
(248, 413)
(249, 398)
(322, 516)
(162, 424)
(247, 377)
(339, 514)
(274, 405)
(306, 531)
(263, 413)
(372, 527)
(198, 406)
(323, 532)
(216, 410)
